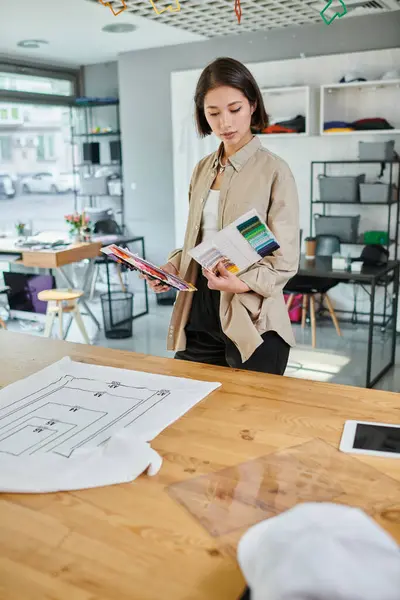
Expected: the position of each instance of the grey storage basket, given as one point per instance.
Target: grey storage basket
(376, 150)
(345, 228)
(94, 186)
(343, 188)
(380, 193)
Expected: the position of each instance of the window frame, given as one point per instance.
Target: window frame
(10, 155)
(48, 148)
(15, 67)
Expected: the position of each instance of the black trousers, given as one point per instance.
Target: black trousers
(206, 342)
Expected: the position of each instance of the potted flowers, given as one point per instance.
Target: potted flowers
(20, 229)
(78, 226)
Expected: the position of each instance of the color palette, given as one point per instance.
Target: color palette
(259, 237)
(211, 257)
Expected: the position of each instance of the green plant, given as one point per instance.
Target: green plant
(20, 227)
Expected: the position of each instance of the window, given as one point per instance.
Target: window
(5, 148)
(9, 114)
(45, 147)
(37, 84)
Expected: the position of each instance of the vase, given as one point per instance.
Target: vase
(76, 237)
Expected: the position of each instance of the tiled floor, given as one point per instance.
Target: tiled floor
(337, 360)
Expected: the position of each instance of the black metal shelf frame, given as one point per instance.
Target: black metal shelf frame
(78, 138)
(389, 205)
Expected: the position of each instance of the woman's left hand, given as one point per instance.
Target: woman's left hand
(225, 281)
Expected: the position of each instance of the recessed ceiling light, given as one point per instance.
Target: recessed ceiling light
(32, 43)
(119, 28)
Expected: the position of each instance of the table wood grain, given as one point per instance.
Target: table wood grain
(133, 541)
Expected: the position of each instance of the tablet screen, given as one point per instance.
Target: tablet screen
(378, 438)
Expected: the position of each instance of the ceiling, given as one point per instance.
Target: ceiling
(73, 28)
(213, 18)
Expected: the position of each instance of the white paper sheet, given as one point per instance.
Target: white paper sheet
(75, 425)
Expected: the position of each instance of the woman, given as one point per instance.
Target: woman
(236, 321)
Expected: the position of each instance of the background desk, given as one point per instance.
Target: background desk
(132, 541)
(57, 259)
(321, 266)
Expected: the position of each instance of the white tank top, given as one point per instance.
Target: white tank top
(209, 223)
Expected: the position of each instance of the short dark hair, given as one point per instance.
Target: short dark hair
(232, 73)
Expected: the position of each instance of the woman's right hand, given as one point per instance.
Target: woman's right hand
(158, 286)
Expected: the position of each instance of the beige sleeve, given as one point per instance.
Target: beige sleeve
(176, 255)
(273, 272)
(175, 258)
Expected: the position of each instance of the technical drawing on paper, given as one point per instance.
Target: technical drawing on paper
(51, 420)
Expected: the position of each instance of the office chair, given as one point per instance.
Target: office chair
(309, 287)
(105, 227)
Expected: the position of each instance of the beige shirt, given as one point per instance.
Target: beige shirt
(253, 178)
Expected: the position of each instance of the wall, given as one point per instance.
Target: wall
(101, 79)
(145, 94)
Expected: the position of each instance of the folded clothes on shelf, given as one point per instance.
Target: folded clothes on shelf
(373, 124)
(295, 125)
(352, 77)
(278, 129)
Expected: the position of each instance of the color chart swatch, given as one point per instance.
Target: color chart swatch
(258, 236)
(239, 245)
(212, 256)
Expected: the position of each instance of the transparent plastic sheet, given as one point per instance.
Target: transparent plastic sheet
(226, 503)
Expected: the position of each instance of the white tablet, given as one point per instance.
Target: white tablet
(375, 439)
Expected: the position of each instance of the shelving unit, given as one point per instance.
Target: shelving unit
(284, 103)
(349, 102)
(393, 243)
(393, 203)
(85, 118)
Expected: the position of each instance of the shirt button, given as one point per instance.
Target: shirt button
(197, 228)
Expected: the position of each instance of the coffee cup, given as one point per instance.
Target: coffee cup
(311, 246)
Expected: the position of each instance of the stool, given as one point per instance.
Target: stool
(60, 302)
(2, 324)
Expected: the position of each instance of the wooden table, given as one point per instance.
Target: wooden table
(134, 541)
(57, 259)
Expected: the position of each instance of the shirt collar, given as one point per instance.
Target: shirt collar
(239, 159)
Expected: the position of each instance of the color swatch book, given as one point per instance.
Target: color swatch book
(136, 263)
(239, 245)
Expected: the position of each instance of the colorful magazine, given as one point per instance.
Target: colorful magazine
(239, 245)
(136, 263)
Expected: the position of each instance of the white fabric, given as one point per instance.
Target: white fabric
(209, 223)
(121, 460)
(320, 551)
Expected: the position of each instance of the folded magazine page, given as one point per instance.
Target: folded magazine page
(136, 263)
(238, 246)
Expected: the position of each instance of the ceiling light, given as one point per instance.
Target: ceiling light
(119, 28)
(32, 43)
